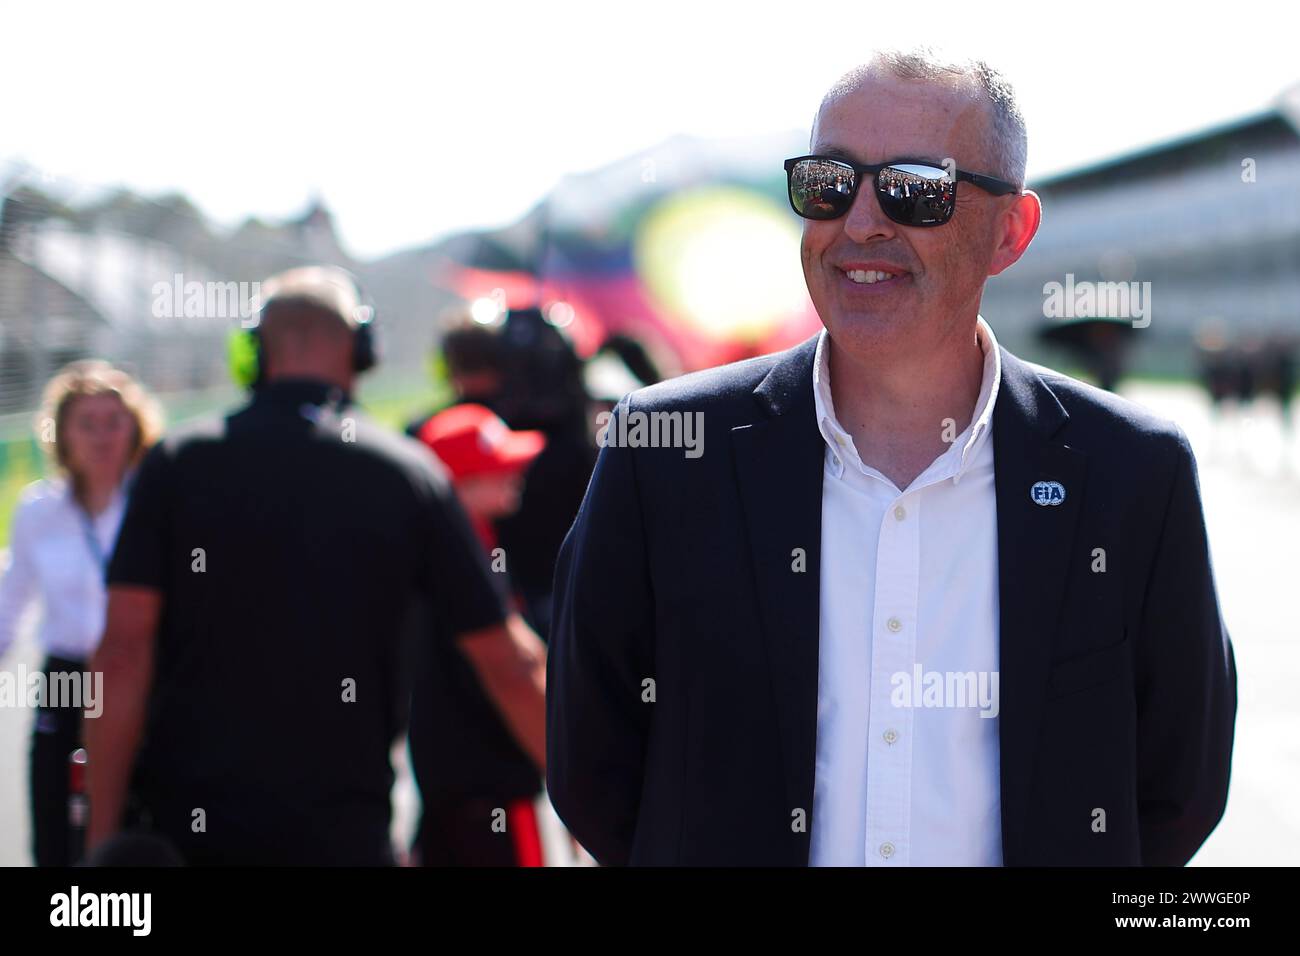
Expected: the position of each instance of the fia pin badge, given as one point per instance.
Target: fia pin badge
(1047, 493)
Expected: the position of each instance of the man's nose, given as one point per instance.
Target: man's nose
(865, 219)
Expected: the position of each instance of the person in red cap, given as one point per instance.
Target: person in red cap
(477, 786)
(486, 460)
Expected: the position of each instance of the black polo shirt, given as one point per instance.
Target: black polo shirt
(289, 541)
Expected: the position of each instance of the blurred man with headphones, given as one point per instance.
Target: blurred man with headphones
(254, 667)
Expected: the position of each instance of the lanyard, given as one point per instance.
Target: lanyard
(97, 553)
(92, 541)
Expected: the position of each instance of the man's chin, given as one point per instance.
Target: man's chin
(875, 323)
(871, 335)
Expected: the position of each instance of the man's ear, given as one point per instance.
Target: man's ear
(1016, 229)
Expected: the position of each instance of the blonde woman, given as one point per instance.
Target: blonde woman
(95, 424)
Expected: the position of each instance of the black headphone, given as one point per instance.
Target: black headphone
(244, 350)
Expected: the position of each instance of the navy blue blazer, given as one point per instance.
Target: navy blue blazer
(682, 672)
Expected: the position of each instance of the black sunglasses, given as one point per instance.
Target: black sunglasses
(911, 192)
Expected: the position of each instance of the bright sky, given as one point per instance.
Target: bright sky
(380, 107)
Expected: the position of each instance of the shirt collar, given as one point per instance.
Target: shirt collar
(965, 447)
(294, 391)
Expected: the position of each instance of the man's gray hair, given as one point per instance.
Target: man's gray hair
(1008, 139)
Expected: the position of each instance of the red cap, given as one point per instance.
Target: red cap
(471, 440)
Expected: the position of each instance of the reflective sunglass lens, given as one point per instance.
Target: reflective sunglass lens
(821, 189)
(914, 194)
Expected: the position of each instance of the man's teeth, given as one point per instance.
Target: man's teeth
(868, 275)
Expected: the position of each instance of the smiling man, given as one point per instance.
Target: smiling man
(785, 651)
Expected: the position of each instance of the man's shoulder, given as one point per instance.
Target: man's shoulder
(180, 440)
(398, 449)
(201, 430)
(353, 432)
(722, 388)
(1103, 422)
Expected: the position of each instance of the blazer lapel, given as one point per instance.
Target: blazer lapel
(779, 473)
(1035, 544)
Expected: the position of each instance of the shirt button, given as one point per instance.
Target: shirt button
(835, 461)
(891, 735)
(894, 624)
(900, 512)
(886, 850)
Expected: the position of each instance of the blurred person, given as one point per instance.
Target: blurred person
(526, 370)
(474, 360)
(635, 356)
(1279, 376)
(467, 765)
(544, 391)
(95, 423)
(741, 636)
(254, 669)
(607, 379)
(470, 355)
(1285, 382)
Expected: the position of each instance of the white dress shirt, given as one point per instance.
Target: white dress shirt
(53, 557)
(909, 589)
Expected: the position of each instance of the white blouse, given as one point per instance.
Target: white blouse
(59, 554)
